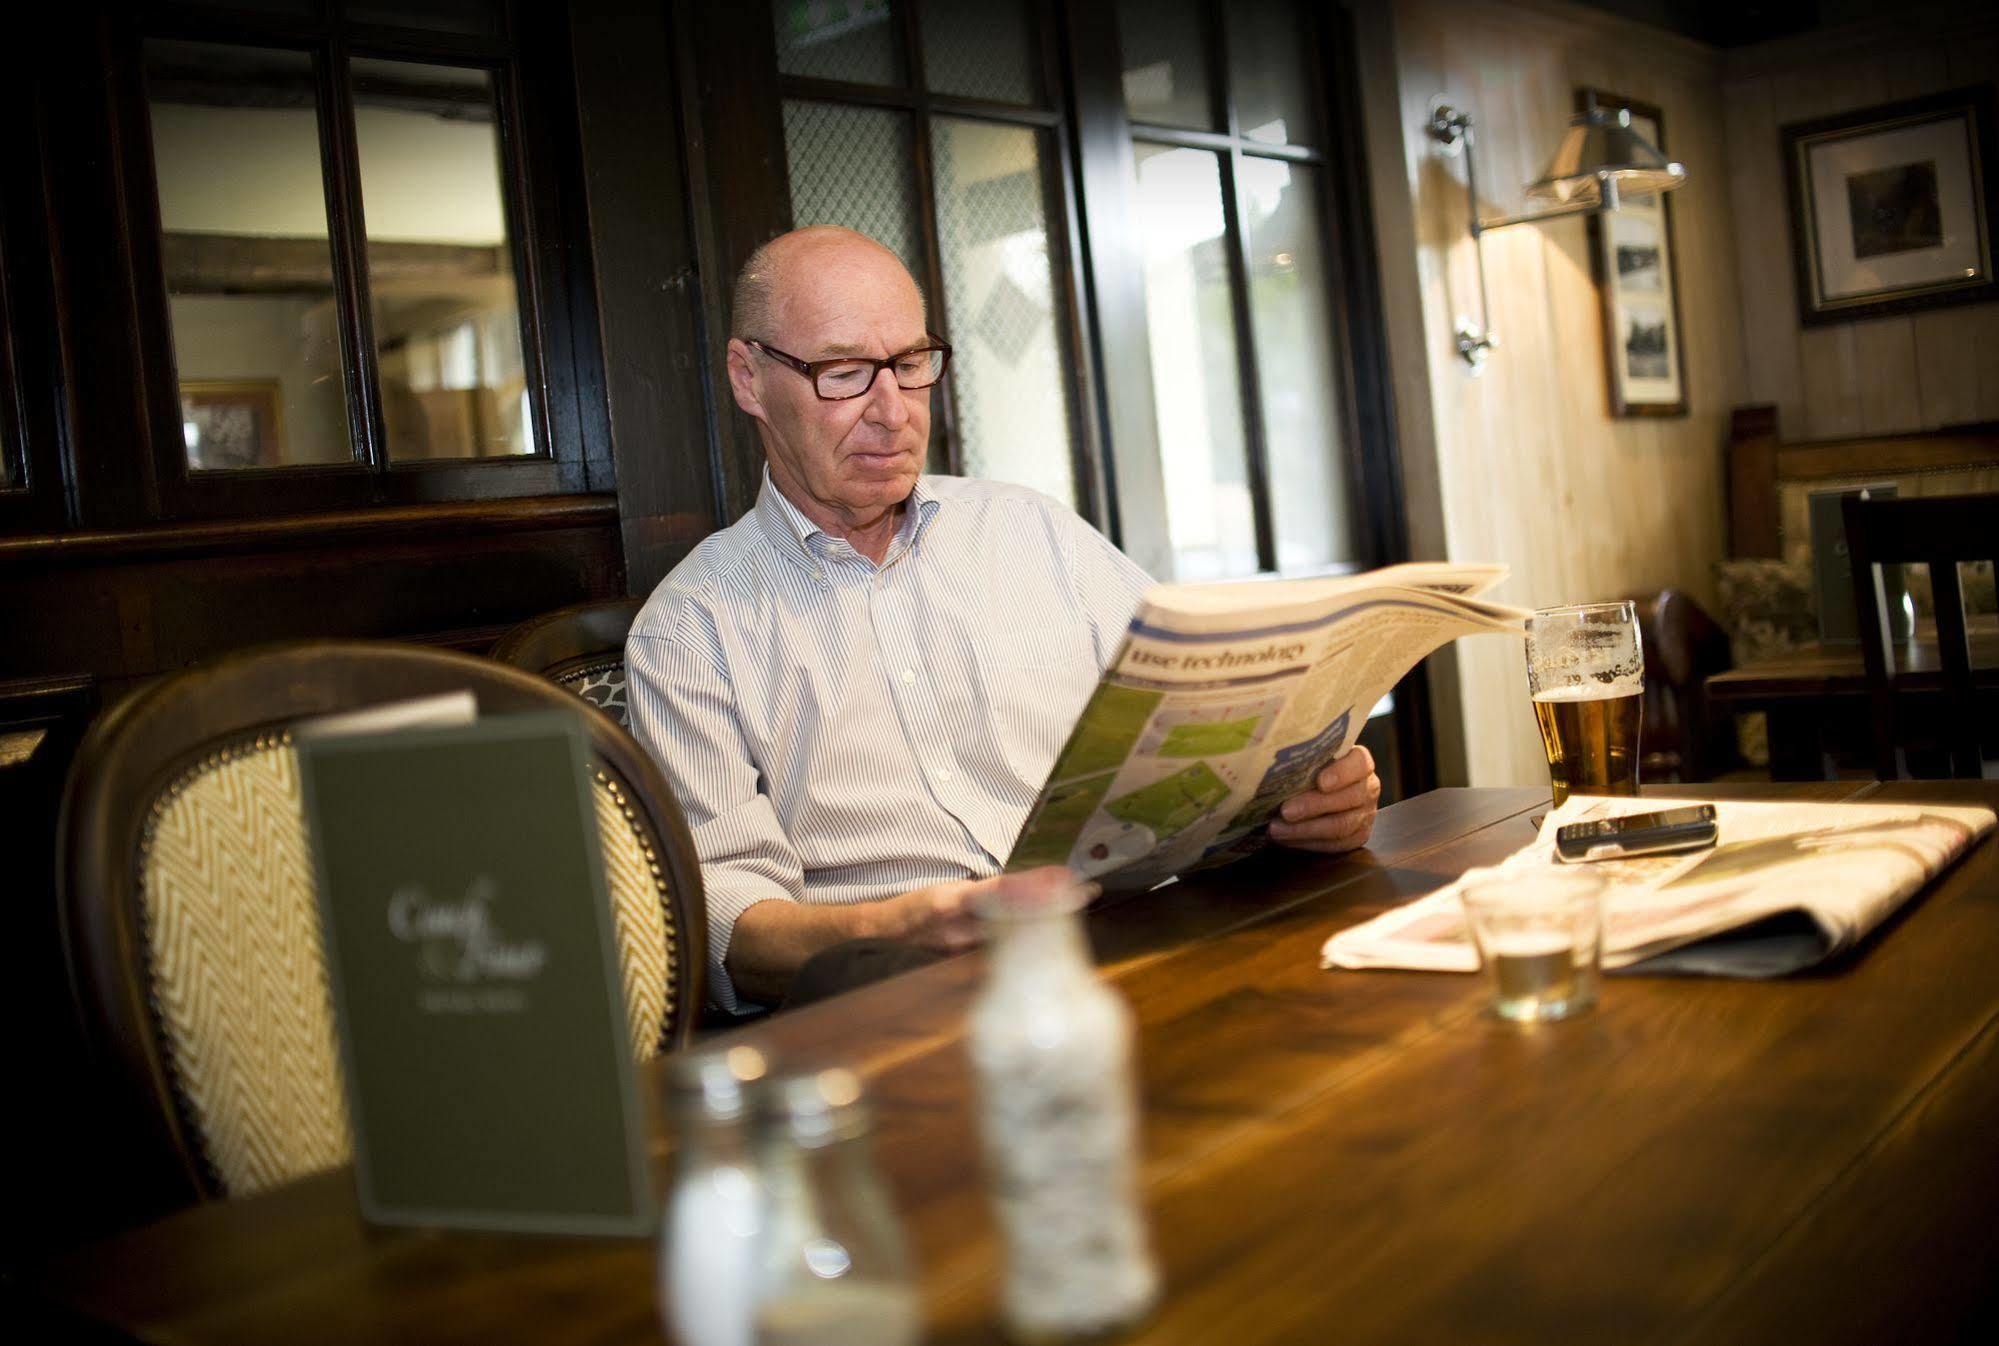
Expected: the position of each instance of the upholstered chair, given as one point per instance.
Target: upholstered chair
(581, 648)
(191, 923)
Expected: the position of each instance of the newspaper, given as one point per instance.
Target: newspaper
(1786, 886)
(1227, 699)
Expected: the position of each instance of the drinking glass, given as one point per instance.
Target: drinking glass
(1586, 673)
(1539, 933)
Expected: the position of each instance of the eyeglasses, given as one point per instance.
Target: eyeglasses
(854, 375)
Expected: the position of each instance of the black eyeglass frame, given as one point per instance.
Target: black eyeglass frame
(812, 369)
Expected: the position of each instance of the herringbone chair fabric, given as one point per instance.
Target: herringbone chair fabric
(198, 956)
(238, 972)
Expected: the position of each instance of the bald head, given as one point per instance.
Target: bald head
(777, 270)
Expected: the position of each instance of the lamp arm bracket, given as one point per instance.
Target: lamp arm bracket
(1480, 226)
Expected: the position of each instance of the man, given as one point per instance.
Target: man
(858, 688)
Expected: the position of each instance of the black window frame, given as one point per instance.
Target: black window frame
(29, 391)
(547, 238)
(1322, 156)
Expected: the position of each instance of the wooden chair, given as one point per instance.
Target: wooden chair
(189, 915)
(1938, 531)
(581, 648)
(1685, 740)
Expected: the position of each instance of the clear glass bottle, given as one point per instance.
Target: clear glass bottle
(1052, 1048)
(833, 1269)
(710, 1234)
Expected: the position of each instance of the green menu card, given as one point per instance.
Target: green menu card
(469, 947)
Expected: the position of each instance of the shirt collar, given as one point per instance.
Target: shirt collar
(805, 541)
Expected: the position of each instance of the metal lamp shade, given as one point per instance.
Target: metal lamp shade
(1601, 147)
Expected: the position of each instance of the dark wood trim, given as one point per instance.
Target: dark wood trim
(542, 117)
(1089, 446)
(104, 407)
(944, 430)
(1249, 381)
(1600, 269)
(340, 170)
(29, 368)
(1967, 446)
(1976, 101)
(1752, 482)
(549, 250)
(733, 111)
(1759, 462)
(310, 531)
(205, 23)
(1373, 462)
(652, 304)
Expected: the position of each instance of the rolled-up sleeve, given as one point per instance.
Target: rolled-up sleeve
(683, 714)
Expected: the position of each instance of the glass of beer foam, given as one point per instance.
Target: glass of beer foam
(1539, 933)
(1586, 673)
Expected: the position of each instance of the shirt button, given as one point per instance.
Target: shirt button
(909, 675)
(942, 775)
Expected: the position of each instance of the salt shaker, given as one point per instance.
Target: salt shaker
(710, 1240)
(1052, 1049)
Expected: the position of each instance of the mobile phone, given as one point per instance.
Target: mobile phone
(1680, 829)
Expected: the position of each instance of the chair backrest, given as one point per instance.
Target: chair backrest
(1938, 531)
(190, 919)
(1684, 739)
(581, 648)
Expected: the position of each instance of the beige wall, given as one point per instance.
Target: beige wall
(1522, 463)
(1856, 378)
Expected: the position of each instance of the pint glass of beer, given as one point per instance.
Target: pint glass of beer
(1586, 672)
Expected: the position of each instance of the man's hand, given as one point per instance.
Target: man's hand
(773, 938)
(1339, 814)
(944, 916)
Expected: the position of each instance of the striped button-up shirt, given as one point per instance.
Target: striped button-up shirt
(839, 731)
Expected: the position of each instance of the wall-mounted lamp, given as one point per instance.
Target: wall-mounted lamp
(1599, 160)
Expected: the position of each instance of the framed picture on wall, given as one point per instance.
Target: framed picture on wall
(1892, 207)
(232, 424)
(1638, 279)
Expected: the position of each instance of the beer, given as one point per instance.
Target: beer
(1591, 737)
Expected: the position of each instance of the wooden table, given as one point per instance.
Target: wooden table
(1328, 1155)
(1816, 696)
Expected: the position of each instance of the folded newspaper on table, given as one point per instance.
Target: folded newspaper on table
(1786, 886)
(1226, 700)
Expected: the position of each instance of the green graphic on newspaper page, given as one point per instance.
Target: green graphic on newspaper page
(1210, 728)
(1064, 813)
(1170, 806)
(1106, 732)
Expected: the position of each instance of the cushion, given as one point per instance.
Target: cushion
(236, 967)
(603, 686)
(1766, 606)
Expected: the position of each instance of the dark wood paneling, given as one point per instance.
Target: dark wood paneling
(654, 335)
(104, 402)
(730, 98)
(126, 607)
